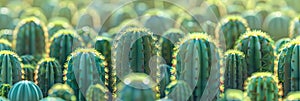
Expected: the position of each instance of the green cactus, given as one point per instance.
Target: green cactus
(293, 96)
(85, 67)
(209, 27)
(63, 91)
(277, 25)
(28, 72)
(56, 25)
(167, 74)
(188, 23)
(29, 59)
(6, 18)
(168, 41)
(25, 91)
(259, 51)
(5, 45)
(280, 44)
(52, 99)
(178, 91)
(87, 17)
(235, 70)
(233, 95)
(97, 92)
(62, 44)
(31, 38)
(262, 86)
(65, 9)
(33, 11)
(10, 67)
(6, 34)
(230, 29)
(48, 72)
(136, 87)
(294, 27)
(198, 64)
(87, 34)
(254, 21)
(4, 89)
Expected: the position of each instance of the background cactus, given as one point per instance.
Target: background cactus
(25, 91)
(293, 96)
(29, 59)
(178, 91)
(52, 99)
(234, 95)
(97, 92)
(281, 43)
(87, 34)
(198, 65)
(262, 82)
(56, 25)
(65, 9)
(294, 30)
(5, 45)
(167, 74)
(277, 25)
(10, 67)
(63, 91)
(48, 72)
(6, 34)
(30, 37)
(4, 89)
(28, 72)
(6, 18)
(254, 21)
(258, 48)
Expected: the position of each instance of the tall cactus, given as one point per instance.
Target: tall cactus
(31, 37)
(235, 70)
(28, 72)
(48, 72)
(5, 45)
(294, 27)
(4, 89)
(178, 91)
(6, 34)
(57, 25)
(230, 30)
(262, 86)
(85, 67)
(281, 43)
(198, 64)
(62, 44)
(25, 91)
(293, 96)
(97, 92)
(10, 67)
(233, 95)
(288, 67)
(63, 91)
(258, 48)
(277, 25)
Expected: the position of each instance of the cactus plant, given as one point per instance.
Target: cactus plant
(4, 89)
(87, 34)
(5, 45)
(65, 9)
(48, 72)
(277, 25)
(25, 91)
(209, 27)
(258, 48)
(30, 37)
(29, 59)
(262, 86)
(178, 91)
(293, 96)
(28, 72)
(167, 74)
(198, 64)
(233, 95)
(52, 99)
(254, 21)
(85, 67)
(63, 91)
(235, 70)
(57, 25)
(33, 12)
(6, 18)
(10, 67)
(87, 17)
(136, 87)
(188, 23)
(6, 34)
(280, 44)
(97, 92)
(230, 29)
(62, 44)
(294, 27)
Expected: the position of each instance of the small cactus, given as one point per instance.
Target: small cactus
(56, 25)
(233, 95)
(254, 21)
(277, 25)
(25, 91)
(63, 91)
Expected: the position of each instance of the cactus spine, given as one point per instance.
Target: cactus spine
(178, 91)
(198, 65)
(97, 92)
(63, 91)
(48, 73)
(4, 89)
(259, 51)
(25, 91)
(5, 45)
(28, 72)
(10, 67)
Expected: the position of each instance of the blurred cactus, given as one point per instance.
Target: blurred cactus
(33, 12)
(62, 91)
(6, 34)
(6, 18)
(277, 25)
(65, 9)
(52, 99)
(88, 35)
(254, 21)
(293, 96)
(29, 59)
(56, 25)
(97, 92)
(178, 91)
(5, 45)
(233, 95)
(295, 27)
(280, 44)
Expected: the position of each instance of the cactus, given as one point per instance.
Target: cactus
(166, 75)
(233, 95)
(288, 67)
(254, 21)
(293, 96)
(168, 41)
(4, 89)
(235, 70)
(178, 91)
(188, 23)
(136, 87)
(230, 29)
(57, 25)
(65, 9)
(5, 45)
(294, 27)
(48, 73)
(198, 64)
(35, 12)
(97, 92)
(85, 67)
(262, 86)
(29, 59)
(87, 34)
(277, 25)
(280, 44)
(52, 99)
(25, 91)
(87, 18)
(31, 38)
(209, 27)
(62, 44)
(6, 34)
(259, 51)
(133, 50)
(28, 72)
(10, 67)
(6, 18)
(63, 91)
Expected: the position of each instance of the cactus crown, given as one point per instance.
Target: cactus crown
(233, 93)
(46, 60)
(59, 86)
(4, 41)
(103, 38)
(58, 23)
(256, 33)
(235, 18)
(137, 30)
(293, 96)
(30, 19)
(197, 36)
(28, 66)
(64, 32)
(262, 74)
(7, 52)
(234, 52)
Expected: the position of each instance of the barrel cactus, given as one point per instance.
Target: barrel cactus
(6, 34)
(28, 72)
(48, 72)
(281, 43)
(57, 25)
(235, 70)
(62, 44)
(85, 67)
(31, 37)
(178, 91)
(294, 27)
(5, 45)
(230, 29)
(10, 67)
(254, 21)
(293, 96)
(262, 86)
(63, 91)
(198, 64)
(4, 89)
(97, 92)
(233, 95)
(277, 25)
(258, 48)
(25, 91)
(29, 59)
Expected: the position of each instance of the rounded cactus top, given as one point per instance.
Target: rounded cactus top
(261, 74)
(235, 52)
(256, 33)
(139, 80)
(292, 43)
(28, 66)
(235, 18)
(47, 60)
(7, 52)
(197, 36)
(30, 19)
(234, 94)
(60, 86)
(65, 32)
(86, 50)
(52, 99)
(137, 30)
(6, 42)
(173, 30)
(292, 96)
(103, 38)
(62, 23)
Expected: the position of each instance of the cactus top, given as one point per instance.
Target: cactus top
(46, 60)
(293, 42)
(256, 33)
(293, 96)
(197, 36)
(31, 19)
(59, 23)
(60, 86)
(235, 18)
(136, 30)
(86, 50)
(139, 80)
(64, 32)
(7, 52)
(234, 52)
(4, 41)
(103, 38)
(173, 30)
(28, 66)
(234, 93)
